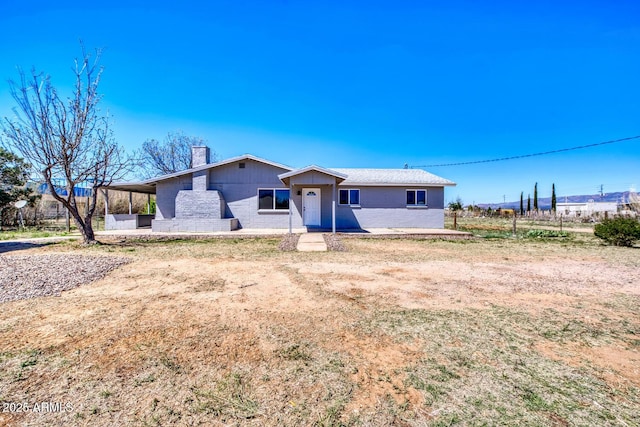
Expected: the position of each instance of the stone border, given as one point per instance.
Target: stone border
(334, 243)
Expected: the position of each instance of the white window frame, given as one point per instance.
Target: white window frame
(415, 197)
(273, 206)
(349, 190)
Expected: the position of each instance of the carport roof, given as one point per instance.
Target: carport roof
(144, 187)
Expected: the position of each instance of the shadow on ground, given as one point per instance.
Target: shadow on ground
(18, 246)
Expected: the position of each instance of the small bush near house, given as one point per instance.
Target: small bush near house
(618, 231)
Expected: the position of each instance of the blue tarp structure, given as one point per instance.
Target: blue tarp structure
(82, 189)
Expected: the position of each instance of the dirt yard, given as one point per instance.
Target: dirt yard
(390, 332)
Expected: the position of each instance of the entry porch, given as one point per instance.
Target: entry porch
(315, 188)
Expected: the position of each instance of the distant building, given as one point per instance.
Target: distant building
(81, 189)
(586, 209)
(50, 208)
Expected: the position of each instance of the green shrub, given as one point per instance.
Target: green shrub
(618, 231)
(543, 234)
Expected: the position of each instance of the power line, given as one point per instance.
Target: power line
(529, 155)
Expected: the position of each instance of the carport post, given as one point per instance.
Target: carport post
(290, 204)
(130, 202)
(148, 203)
(105, 193)
(106, 204)
(333, 207)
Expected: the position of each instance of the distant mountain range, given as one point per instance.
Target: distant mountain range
(544, 203)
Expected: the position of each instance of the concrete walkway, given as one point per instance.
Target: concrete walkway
(311, 242)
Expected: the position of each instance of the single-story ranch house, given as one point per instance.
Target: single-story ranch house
(252, 193)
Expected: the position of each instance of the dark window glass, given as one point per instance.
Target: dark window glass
(282, 199)
(265, 199)
(344, 197)
(411, 197)
(354, 197)
(421, 197)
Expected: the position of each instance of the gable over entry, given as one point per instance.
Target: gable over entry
(309, 181)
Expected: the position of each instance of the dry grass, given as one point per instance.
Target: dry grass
(392, 332)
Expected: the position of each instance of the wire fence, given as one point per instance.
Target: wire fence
(46, 213)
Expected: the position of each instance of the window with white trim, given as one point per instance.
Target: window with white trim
(273, 199)
(417, 198)
(349, 197)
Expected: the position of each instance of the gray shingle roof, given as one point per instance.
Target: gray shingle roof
(355, 176)
(390, 177)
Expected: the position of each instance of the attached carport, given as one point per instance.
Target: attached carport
(131, 220)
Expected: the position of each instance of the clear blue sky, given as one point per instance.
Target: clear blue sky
(363, 84)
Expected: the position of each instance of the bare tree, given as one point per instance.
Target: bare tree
(67, 140)
(171, 155)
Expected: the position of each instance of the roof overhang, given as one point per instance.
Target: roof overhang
(134, 187)
(286, 177)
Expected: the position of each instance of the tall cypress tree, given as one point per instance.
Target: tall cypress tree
(553, 197)
(528, 203)
(535, 197)
(522, 203)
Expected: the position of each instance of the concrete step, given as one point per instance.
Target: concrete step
(311, 242)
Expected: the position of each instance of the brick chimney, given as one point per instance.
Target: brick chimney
(199, 155)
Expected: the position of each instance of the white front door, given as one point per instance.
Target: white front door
(311, 207)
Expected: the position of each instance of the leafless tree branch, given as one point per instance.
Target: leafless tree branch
(67, 139)
(169, 156)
